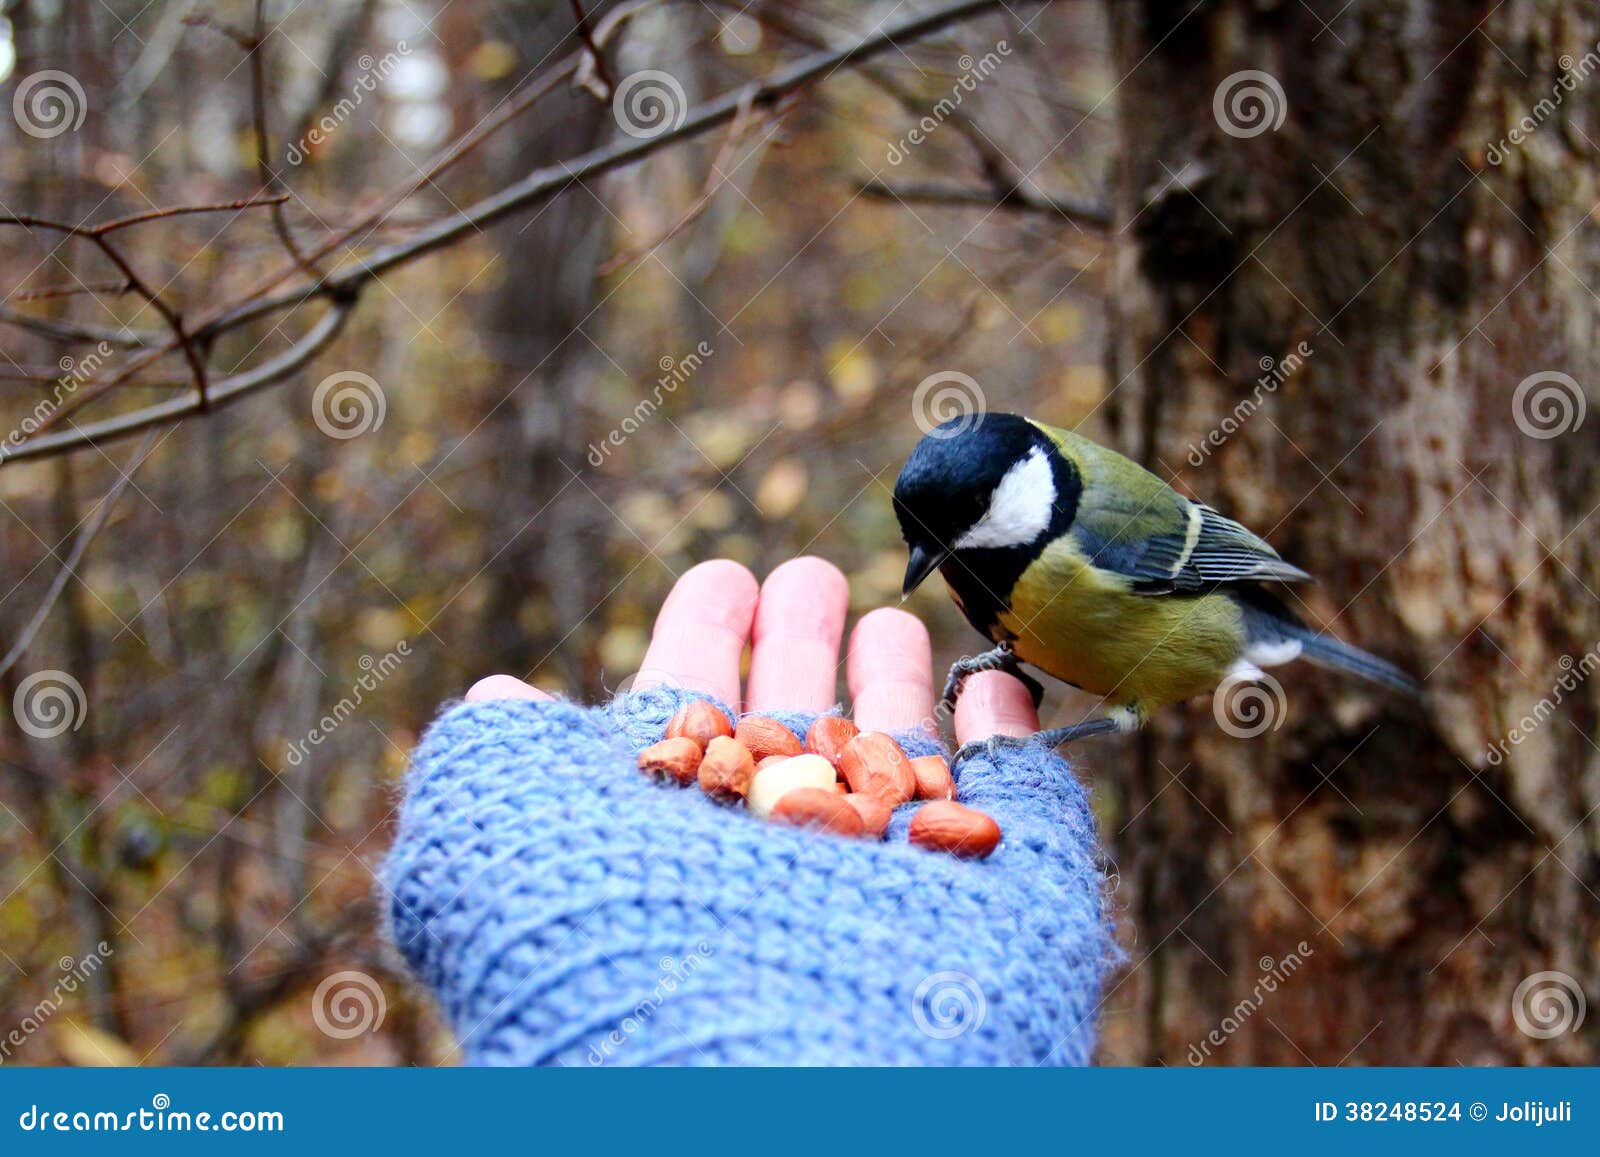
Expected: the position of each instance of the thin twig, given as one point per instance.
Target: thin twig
(100, 237)
(171, 316)
(97, 289)
(597, 58)
(186, 210)
(74, 331)
(998, 168)
(1084, 214)
(716, 177)
(35, 222)
(69, 566)
(256, 54)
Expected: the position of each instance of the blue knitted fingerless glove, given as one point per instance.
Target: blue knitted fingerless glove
(566, 908)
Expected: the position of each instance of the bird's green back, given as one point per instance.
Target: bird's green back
(1130, 522)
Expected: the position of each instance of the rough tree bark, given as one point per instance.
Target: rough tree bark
(1429, 274)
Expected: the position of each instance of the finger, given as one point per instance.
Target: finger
(701, 631)
(794, 657)
(890, 672)
(994, 703)
(504, 687)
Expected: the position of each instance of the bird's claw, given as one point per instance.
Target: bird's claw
(1049, 740)
(991, 747)
(1002, 658)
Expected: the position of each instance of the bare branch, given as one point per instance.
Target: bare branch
(256, 54)
(229, 389)
(75, 331)
(596, 61)
(543, 183)
(186, 210)
(716, 177)
(342, 288)
(1091, 217)
(368, 223)
(69, 565)
(93, 289)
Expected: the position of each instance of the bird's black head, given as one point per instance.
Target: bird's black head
(991, 488)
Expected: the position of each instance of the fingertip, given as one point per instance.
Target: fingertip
(994, 703)
(701, 630)
(891, 625)
(504, 687)
(794, 656)
(728, 581)
(890, 672)
(820, 584)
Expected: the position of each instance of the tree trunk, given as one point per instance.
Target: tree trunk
(1406, 265)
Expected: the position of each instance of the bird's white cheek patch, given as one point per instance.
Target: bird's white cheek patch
(1019, 509)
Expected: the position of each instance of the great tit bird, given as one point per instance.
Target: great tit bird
(1081, 563)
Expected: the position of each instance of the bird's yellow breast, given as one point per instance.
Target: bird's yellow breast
(1084, 626)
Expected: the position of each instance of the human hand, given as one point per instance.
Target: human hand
(794, 625)
(567, 909)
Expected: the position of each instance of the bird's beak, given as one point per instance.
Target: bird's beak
(923, 563)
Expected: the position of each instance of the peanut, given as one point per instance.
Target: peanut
(873, 764)
(873, 811)
(776, 780)
(828, 736)
(946, 826)
(677, 758)
(820, 808)
(700, 721)
(934, 780)
(727, 769)
(763, 736)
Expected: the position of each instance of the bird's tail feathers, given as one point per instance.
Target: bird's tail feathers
(1275, 635)
(1326, 651)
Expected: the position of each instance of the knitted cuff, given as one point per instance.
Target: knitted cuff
(566, 909)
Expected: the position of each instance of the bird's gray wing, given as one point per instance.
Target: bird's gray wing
(1173, 545)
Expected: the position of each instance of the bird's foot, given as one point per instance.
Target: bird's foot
(1002, 658)
(1121, 719)
(992, 747)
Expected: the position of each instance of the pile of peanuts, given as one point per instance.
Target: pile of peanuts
(842, 780)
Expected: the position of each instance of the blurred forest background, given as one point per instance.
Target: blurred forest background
(1330, 265)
